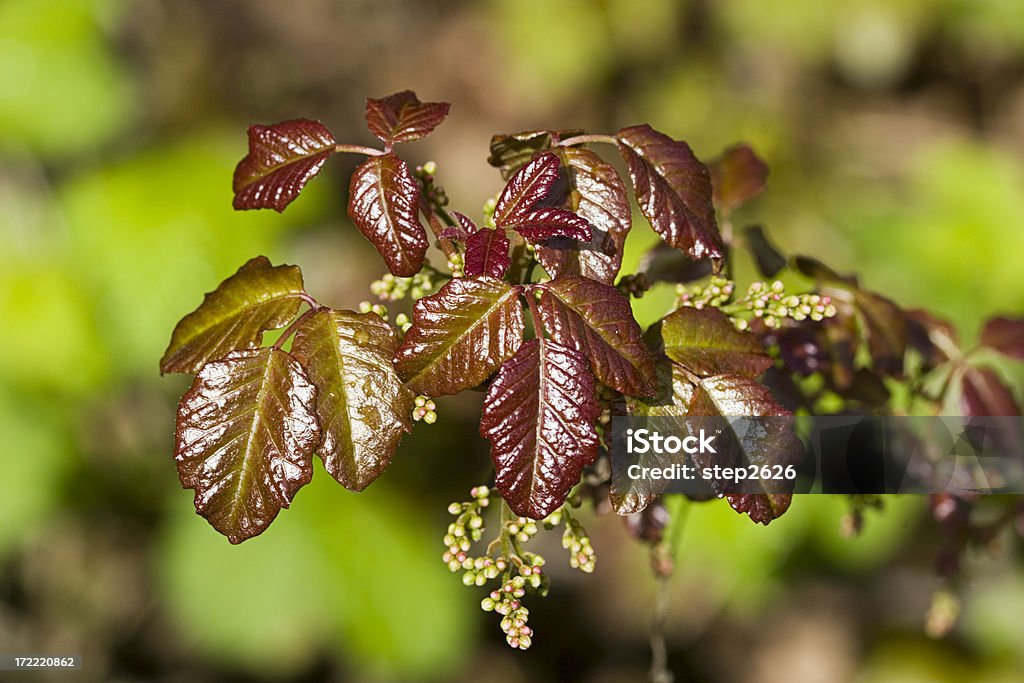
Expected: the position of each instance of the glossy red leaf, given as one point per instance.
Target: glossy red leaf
(383, 202)
(539, 417)
(543, 224)
(736, 177)
(732, 396)
(403, 118)
(258, 297)
(706, 343)
(487, 253)
(983, 393)
(462, 230)
(245, 437)
(598, 195)
(673, 189)
(1005, 335)
(460, 335)
(596, 320)
(362, 405)
(528, 186)
(281, 160)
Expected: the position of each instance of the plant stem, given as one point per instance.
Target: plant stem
(290, 330)
(359, 149)
(583, 139)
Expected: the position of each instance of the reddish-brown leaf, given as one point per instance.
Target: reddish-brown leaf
(528, 186)
(539, 417)
(736, 177)
(1005, 335)
(983, 393)
(281, 160)
(598, 195)
(403, 118)
(543, 224)
(460, 335)
(363, 408)
(673, 189)
(245, 438)
(383, 202)
(487, 253)
(596, 320)
(510, 152)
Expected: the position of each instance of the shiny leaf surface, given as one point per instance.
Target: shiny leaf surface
(510, 152)
(544, 224)
(362, 405)
(460, 335)
(403, 118)
(1005, 335)
(539, 417)
(528, 186)
(281, 160)
(258, 297)
(598, 195)
(736, 177)
(596, 320)
(384, 204)
(731, 396)
(706, 343)
(673, 189)
(487, 253)
(245, 437)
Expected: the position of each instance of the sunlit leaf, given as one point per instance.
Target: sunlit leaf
(383, 202)
(598, 195)
(673, 189)
(543, 224)
(729, 396)
(460, 335)
(736, 177)
(706, 343)
(281, 160)
(245, 438)
(539, 417)
(983, 393)
(363, 408)
(596, 320)
(403, 118)
(463, 228)
(257, 298)
(528, 186)
(510, 152)
(487, 253)
(1005, 335)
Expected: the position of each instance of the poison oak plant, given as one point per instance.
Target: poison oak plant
(531, 306)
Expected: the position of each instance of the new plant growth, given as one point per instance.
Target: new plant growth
(528, 303)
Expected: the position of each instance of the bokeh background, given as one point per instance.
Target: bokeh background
(895, 133)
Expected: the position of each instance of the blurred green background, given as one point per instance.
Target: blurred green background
(894, 130)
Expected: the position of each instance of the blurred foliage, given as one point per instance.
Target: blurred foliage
(894, 135)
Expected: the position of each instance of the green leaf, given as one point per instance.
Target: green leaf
(596, 320)
(598, 195)
(673, 189)
(245, 436)
(259, 297)
(362, 406)
(282, 158)
(383, 202)
(706, 343)
(403, 118)
(539, 417)
(729, 396)
(460, 335)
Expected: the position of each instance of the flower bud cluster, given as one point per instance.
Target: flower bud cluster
(577, 542)
(769, 302)
(391, 288)
(717, 292)
(506, 602)
(457, 264)
(488, 210)
(467, 528)
(367, 307)
(402, 322)
(424, 409)
(434, 194)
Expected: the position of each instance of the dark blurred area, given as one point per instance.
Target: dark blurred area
(895, 134)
